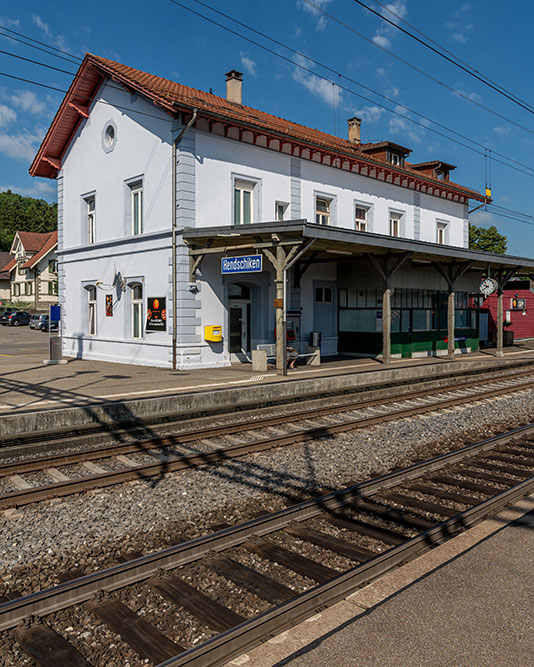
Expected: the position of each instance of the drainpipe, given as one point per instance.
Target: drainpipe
(174, 286)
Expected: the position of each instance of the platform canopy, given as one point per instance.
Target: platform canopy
(298, 243)
(327, 242)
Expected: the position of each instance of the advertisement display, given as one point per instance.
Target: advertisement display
(156, 314)
(109, 305)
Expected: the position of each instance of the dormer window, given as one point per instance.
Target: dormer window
(396, 159)
(440, 174)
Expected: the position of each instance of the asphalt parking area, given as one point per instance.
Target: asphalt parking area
(22, 341)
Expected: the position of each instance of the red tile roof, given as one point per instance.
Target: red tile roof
(5, 258)
(9, 266)
(48, 243)
(174, 97)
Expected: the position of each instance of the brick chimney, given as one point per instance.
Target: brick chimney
(354, 130)
(234, 82)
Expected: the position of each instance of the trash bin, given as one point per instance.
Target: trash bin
(55, 348)
(315, 338)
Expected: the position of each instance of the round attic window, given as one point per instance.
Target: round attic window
(109, 136)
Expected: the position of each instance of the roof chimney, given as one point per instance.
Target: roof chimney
(354, 130)
(234, 82)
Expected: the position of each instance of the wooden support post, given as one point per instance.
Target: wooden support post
(281, 366)
(450, 325)
(386, 325)
(500, 298)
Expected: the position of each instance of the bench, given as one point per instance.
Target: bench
(267, 351)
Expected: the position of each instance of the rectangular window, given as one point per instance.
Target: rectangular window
(52, 266)
(136, 199)
(394, 224)
(28, 288)
(280, 208)
(16, 289)
(322, 211)
(52, 287)
(243, 202)
(441, 231)
(91, 219)
(137, 310)
(361, 218)
(91, 310)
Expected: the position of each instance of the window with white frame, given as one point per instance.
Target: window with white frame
(361, 218)
(324, 295)
(136, 208)
(52, 266)
(395, 223)
(280, 209)
(243, 202)
(441, 232)
(322, 210)
(137, 310)
(28, 288)
(90, 205)
(91, 310)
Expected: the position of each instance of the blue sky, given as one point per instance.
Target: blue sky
(164, 39)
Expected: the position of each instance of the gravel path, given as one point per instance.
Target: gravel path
(93, 530)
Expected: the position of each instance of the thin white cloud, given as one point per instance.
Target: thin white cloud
(381, 71)
(393, 92)
(37, 190)
(458, 37)
(248, 64)
(325, 90)
(7, 115)
(21, 145)
(314, 8)
(393, 11)
(472, 96)
(370, 114)
(57, 40)
(9, 23)
(502, 130)
(401, 125)
(28, 101)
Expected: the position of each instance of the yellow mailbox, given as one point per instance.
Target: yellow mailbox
(213, 333)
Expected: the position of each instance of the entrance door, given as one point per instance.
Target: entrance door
(483, 327)
(240, 329)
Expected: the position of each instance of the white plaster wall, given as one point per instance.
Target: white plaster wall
(141, 260)
(434, 209)
(142, 149)
(326, 272)
(218, 159)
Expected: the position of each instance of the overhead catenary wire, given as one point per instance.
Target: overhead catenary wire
(339, 75)
(349, 90)
(421, 71)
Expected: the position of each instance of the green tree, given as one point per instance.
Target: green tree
(487, 238)
(25, 214)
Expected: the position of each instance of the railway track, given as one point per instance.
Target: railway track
(46, 477)
(245, 583)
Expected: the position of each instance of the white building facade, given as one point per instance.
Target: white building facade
(116, 170)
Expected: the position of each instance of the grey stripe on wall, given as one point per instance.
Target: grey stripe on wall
(60, 243)
(466, 226)
(294, 171)
(417, 215)
(186, 180)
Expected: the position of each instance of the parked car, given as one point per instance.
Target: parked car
(43, 324)
(35, 321)
(18, 318)
(5, 314)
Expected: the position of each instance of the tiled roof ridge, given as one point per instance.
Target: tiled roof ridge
(46, 247)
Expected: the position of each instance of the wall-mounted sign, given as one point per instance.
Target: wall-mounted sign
(488, 286)
(518, 304)
(278, 303)
(109, 305)
(244, 264)
(156, 314)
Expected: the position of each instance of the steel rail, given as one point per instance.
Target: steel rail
(224, 454)
(140, 446)
(232, 643)
(100, 431)
(119, 576)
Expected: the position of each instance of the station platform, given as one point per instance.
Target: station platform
(465, 603)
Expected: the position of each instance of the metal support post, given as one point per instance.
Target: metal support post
(450, 325)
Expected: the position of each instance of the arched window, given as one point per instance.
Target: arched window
(136, 290)
(91, 310)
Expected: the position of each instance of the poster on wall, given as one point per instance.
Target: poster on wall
(109, 305)
(156, 314)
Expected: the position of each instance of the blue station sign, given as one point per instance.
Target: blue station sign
(243, 264)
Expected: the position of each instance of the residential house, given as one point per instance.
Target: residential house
(33, 269)
(5, 285)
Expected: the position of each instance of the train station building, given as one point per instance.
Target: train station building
(194, 230)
